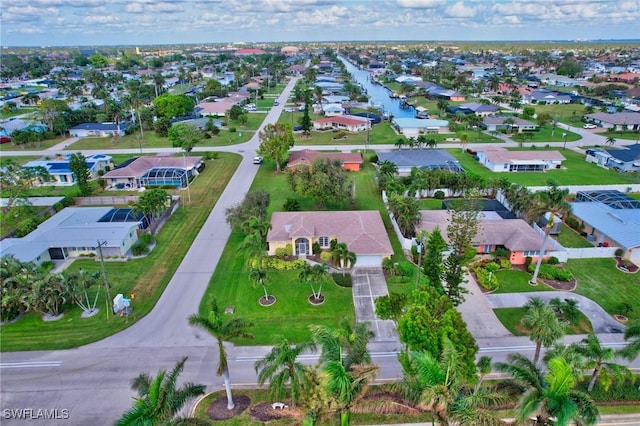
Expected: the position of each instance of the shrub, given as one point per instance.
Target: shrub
(553, 260)
(332, 244)
(527, 261)
(405, 268)
(206, 135)
(342, 280)
(389, 266)
(26, 226)
(574, 223)
(147, 239)
(505, 264)
(289, 249)
(502, 252)
(487, 280)
(281, 252)
(315, 247)
(67, 201)
(282, 265)
(439, 195)
(325, 256)
(619, 252)
(291, 205)
(549, 272)
(232, 129)
(139, 248)
(47, 266)
(492, 267)
(58, 206)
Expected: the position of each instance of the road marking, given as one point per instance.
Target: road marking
(30, 364)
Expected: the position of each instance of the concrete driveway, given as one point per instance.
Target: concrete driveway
(369, 284)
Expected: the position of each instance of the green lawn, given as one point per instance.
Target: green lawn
(291, 314)
(601, 281)
(565, 113)
(35, 146)
(547, 134)
(570, 238)
(22, 159)
(634, 136)
(146, 277)
(576, 171)
(430, 204)
(17, 111)
(511, 319)
(517, 281)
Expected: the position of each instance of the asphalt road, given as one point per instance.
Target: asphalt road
(92, 382)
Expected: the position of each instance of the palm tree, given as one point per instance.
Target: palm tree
(259, 276)
(551, 201)
(388, 168)
(280, 366)
(432, 143)
(464, 139)
(400, 142)
(314, 274)
(599, 358)
(632, 336)
(159, 399)
(547, 395)
(611, 140)
(222, 331)
(542, 323)
(439, 385)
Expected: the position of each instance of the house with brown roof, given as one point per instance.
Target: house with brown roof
(617, 121)
(154, 171)
(515, 235)
(351, 161)
(362, 231)
(498, 159)
(216, 109)
(349, 123)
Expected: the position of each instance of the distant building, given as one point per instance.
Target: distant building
(102, 130)
(154, 171)
(61, 173)
(498, 159)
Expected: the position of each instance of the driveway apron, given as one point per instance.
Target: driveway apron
(369, 284)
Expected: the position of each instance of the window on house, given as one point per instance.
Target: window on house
(323, 241)
(531, 253)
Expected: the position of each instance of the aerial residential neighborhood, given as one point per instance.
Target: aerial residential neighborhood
(319, 232)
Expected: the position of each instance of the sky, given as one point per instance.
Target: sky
(144, 22)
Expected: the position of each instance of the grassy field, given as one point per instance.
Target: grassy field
(548, 134)
(517, 281)
(576, 171)
(146, 277)
(22, 159)
(291, 314)
(570, 238)
(36, 146)
(565, 113)
(601, 281)
(17, 111)
(511, 318)
(634, 136)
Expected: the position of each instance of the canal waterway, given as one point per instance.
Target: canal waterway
(378, 95)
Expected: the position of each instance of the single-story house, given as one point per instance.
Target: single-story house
(362, 231)
(626, 159)
(295, 70)
(216, 109)
(351, 161)
(610, 226)
(494, 124)
(448, 94)
(543, 96)
(408, 79)
(481, 110)
(154, 171)
(332, 110)
(559, 80)
(407, 159)
(414, 127)
(102, 130)
(499, 159)
(513, 234)
(61, 173)
(349, 123)
(76, 231)
(616, 121)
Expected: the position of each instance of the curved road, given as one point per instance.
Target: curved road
(92, 382)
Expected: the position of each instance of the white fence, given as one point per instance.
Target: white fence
(591, 252)
(573, 189)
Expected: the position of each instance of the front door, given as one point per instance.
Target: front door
(302, 246)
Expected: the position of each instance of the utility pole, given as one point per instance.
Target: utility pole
(104, 278)
(184, 158)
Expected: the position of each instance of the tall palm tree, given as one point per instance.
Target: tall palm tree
(543, 325)
(548, 394)
(280, 366)
(314, 274)
(632, 337)
(551, 201)
(159, 399)
(388, 168)
(599, 358)
(611, 140)
(222, 331)
(258, 276)
(439, 385)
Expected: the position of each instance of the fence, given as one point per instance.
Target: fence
(591, 252)
(117, 200)
(159, 222)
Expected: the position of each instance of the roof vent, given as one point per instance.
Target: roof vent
(287, 228)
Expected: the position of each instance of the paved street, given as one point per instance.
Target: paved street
(93, 381)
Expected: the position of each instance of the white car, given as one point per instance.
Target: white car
(257, 160)
(589, 126)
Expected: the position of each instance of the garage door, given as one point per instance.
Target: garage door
(368, 261)
(635, 254)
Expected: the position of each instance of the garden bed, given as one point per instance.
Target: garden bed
(626, 266)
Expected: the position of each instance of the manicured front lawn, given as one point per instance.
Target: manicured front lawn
(634, 136)
(570, 238)
(517, 281)
(35, 146)
(601, 281)
(511, 318)
(576, 171)
(566, 113)
(146, 277)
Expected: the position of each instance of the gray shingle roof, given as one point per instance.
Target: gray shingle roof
(420, 158)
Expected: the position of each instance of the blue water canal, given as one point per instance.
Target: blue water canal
(378, 95)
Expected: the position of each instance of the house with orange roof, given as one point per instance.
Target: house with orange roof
(351, 161)
(349, 123)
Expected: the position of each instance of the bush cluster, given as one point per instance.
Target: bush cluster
(549, 272)
(325, 256)
(486, 279)
(282, 265)
(342, 280)
(139, 248)
(574, 223)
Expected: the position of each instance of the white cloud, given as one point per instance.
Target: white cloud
(164, 7)
(99, 19)
(134, 8)
(459, 10)
(421, 4)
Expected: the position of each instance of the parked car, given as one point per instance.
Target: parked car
(589, 126)
(257, 160)
(297, 128)
(276, 103)
(5, 139)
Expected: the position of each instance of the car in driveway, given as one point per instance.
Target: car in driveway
(257, 160)
(589, 126)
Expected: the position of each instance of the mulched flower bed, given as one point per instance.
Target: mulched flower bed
(218, 408)
(265, 413)
(560, 285)
(626, 266)
(316, 300)
(267, 301)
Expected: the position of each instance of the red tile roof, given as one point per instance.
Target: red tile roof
(347, 121)
(307, 156)
(141, 164)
